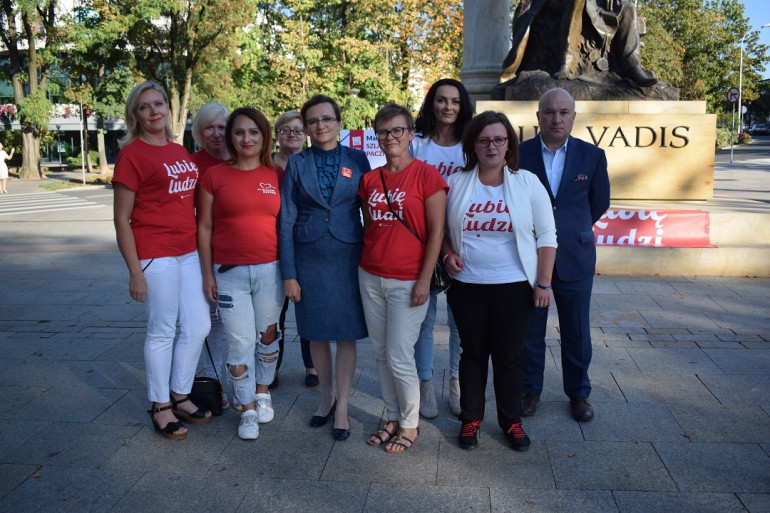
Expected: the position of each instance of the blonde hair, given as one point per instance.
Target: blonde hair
(133, 130)
(286, 117)
(206, 114)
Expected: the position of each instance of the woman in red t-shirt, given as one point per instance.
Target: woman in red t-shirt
(208, 131)
(396, 268)
(154, 185)
(242, 200)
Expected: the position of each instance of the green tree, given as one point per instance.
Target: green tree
(98, 55)
(695, 46)
(29, 32)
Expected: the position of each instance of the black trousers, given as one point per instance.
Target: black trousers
(493, 321)
(307, 360)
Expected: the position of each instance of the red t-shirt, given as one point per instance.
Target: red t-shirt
(163, 179)
(246, 206)
(204, 161)
(390, 250)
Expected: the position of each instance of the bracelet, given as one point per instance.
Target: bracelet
(541, 286)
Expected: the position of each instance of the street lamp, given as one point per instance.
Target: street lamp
(740, 82)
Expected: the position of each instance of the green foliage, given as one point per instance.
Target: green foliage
(35, 109)
(74, 160)
(723, 137)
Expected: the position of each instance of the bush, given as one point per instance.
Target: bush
(744, 138)
(75, 160)
(723, 137)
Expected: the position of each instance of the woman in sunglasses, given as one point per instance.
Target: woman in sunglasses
(404, 204)
(291, 137)
(320, 244)
(500, 248)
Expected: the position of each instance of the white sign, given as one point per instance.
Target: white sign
(732, 95)
(364, 140)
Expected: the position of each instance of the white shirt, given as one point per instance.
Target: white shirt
(447, 159)
(554, 165)
(489, 252)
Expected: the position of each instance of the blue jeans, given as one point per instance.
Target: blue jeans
(423, 349)
(250, 298)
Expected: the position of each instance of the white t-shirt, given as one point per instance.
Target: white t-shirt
(489, 251)
(447, 159)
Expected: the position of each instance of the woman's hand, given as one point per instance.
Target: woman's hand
(542, 298)
(420, 292)
(137, 286)
(293, 290)
(453, 263)
(210, 287)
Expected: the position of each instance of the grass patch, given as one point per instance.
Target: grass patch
(57, 183)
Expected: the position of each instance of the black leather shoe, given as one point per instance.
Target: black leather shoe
(311, 380)
(340, 434)
(581, 409)
(529, 404)
(318, 421)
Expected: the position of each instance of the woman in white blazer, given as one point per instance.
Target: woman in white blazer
(500, 248)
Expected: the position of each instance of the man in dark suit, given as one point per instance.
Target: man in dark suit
(574, 173)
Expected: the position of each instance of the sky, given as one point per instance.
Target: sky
(758, 12)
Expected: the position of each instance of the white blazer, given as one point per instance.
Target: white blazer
(529, 208)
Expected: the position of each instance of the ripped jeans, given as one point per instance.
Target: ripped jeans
(250, 298)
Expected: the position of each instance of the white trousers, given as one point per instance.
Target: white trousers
(393, 327)
(174, 292)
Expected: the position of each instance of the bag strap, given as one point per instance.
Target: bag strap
(211, 358)
(387, 198)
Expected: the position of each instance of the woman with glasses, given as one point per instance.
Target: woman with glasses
(154, 209)
(290, 135)
(446, 111)
(320, 244)
(500, 248)
(239, 260)
(208, 131)
(404, 205)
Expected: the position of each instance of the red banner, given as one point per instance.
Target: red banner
(654, 228)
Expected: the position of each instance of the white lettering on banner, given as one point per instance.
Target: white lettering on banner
(625, 215)
(651, 228)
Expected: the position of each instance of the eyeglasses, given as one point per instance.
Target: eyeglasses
(285, 130)
(326, 121)
(497, 141)
(395, 132)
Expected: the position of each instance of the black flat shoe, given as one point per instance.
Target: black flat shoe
(318, 421)
(311, 380)
(340, 434)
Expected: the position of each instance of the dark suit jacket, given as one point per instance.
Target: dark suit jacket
(305, 214)
(583, 197)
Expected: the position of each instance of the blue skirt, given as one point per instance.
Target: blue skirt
(330, 309)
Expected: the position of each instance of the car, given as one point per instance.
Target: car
(760, 129)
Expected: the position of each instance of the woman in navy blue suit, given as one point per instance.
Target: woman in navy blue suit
(320, 242)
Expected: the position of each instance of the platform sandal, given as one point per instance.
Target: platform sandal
(198, 417)
(170, 430)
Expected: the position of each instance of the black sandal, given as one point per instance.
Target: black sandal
(170, 430)
(399, 440)
(198, 418)
(378, 435)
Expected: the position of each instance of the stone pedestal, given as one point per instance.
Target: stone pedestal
(486, 29)
(656, 150)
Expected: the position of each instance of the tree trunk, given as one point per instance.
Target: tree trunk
(30, 158)
(103, 167)
(86, 149)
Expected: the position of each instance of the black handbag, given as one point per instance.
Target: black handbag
(440, 280)
(206, 392)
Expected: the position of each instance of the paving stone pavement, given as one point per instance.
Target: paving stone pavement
(681, 374)
(680, 390)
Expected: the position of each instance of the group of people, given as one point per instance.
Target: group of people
(221, 241)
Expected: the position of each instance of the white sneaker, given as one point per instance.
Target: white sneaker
(265, 412)
(248, 429)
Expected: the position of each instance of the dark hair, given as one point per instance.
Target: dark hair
(425, 118)
(390, 111)
(264, 128)
(317, 100)
(476, 126)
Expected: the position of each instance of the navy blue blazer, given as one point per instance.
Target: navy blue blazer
(305, 214)
(584, 196)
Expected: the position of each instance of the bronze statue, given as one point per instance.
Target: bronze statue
(594, 40)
